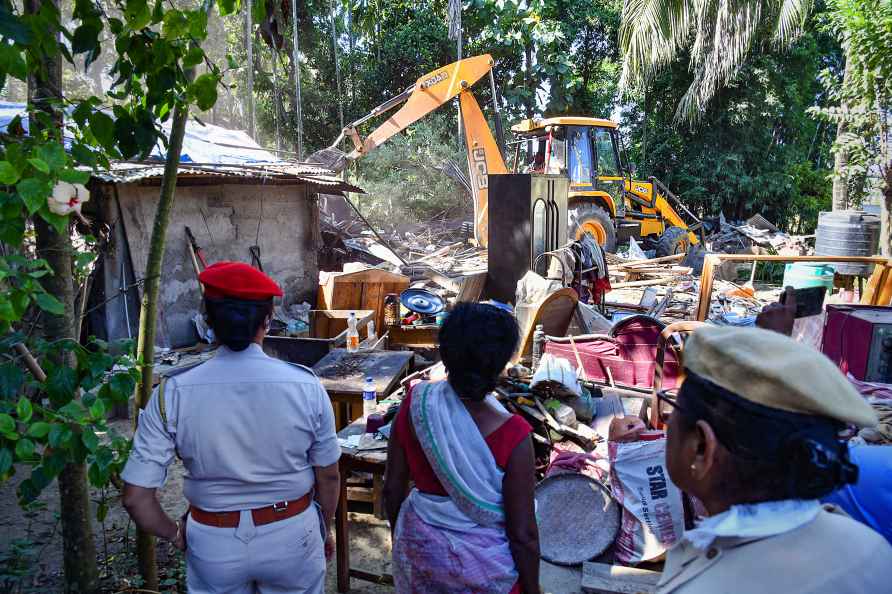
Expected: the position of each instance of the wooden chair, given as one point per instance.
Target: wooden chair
(554, 313)
(673, 337)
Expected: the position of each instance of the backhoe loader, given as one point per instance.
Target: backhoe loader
(604, 200)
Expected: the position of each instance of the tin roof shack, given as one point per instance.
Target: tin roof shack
(230, 208)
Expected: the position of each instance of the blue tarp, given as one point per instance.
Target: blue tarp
(203, 143)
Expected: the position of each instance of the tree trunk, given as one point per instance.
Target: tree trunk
(78, 550)
(841, 157)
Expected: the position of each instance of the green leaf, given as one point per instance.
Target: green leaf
(24, 449)
(97, 410)
(39, 430)
(39, 165)
(86, 37)
(258, 10)
(75, 410)
(12, 27)
(33, 193)
(24, 409)
(137, 13)
(101, 511)
(176, 24)
(91, 442)
(53, 153)
(74, 176)
(49, 304)
(103, 128)
(12, 61)
(8, 174)
(59, 436)
(11, 380)
(7, 423)
(59, 222)
(121, 386)
(198, 24)
(61, 384)
(5, 460)
(227, 7)
(98, 476)
(204, 89)
(193, 57)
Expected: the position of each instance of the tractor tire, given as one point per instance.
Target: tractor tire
(674, 240)
(594, 220)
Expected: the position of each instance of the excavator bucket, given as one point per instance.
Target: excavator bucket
(330, 158)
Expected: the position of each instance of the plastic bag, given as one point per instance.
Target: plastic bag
(553, 369)
(653, 513)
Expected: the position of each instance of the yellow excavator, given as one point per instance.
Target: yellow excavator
(604, 200)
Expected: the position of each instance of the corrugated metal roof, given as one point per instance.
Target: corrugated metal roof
(279, 172)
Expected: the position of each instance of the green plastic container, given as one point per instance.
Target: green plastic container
(802, 275)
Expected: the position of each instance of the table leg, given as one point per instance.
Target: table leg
(342, 535)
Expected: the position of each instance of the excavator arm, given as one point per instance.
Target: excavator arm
(427, 94)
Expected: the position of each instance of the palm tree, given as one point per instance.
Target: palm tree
(718, 34)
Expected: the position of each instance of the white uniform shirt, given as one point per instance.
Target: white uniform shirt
(249, 429)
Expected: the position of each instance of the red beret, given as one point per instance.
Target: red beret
(239, 281)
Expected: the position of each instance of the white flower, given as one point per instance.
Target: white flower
(67, 198)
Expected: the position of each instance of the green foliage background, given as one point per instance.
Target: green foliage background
(756, 149)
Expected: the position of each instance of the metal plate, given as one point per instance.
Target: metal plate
(577, 516)
(421, 301)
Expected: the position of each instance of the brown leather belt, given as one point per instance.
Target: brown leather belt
(262, 515)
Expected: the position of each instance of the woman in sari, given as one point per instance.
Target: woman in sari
(468, 524)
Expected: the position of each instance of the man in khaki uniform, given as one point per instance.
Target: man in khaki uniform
(257, 438)
(753, 434)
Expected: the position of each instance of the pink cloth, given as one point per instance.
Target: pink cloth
(431, 560)
(872, 389)
(567, 460)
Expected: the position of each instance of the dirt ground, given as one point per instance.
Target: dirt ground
(31, 544)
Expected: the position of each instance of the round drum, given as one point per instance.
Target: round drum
(577, 516)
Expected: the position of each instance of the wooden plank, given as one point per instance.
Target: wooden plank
(471, 287)
(706, 278)
(413, 336)
(601, 578)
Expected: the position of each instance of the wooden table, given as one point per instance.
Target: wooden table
(343, 375)
(353, 460)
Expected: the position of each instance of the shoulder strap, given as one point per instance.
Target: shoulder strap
(162, 406)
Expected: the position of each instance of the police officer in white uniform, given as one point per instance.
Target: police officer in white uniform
(257, 438)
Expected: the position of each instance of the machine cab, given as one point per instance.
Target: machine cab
(586, 150)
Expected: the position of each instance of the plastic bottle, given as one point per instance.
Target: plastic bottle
(373, 336)
(538, 340)
(352, 334)
(369, 399)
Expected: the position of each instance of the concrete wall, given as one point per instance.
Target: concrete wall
(224, 219)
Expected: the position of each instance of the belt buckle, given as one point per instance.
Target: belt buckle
(280, 506)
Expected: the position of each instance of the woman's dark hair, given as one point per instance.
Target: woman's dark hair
(771, 454)
(476, 342)
(235, 321)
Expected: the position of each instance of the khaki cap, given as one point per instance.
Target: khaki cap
(774, 370)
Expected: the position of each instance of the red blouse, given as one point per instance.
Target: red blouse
(501, 443)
